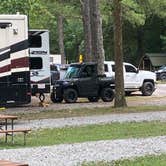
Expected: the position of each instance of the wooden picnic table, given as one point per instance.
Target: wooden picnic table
(9, 128)
(6, 118)
(10, 163)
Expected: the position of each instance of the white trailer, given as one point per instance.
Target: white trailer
(39, 62)
(14, 60)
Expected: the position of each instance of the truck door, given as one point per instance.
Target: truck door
(88, 84)
(131, 78)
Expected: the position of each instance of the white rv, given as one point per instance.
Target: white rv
(39, 62)
(14, 60)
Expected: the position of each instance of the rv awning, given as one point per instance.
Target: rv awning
(156, 59)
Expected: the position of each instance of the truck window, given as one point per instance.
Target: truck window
(36, 63)
(113, 68)
(130, 69)
(35, 41)
(105, 67)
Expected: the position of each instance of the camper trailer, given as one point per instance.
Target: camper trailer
(39, 62)
(14, 60)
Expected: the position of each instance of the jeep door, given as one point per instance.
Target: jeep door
(88, 82)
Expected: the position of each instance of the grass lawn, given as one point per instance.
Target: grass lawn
(86, 112)
(89, 133)
(140, 161)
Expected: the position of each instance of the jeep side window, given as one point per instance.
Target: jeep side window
(130, 69)
(89, 70)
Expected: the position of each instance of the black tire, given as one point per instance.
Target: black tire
(41, 97)
(163, 76)
(93, 99)
(107, 94)
(147, 89)
(55, 99)
(70, 95)
(127, 93)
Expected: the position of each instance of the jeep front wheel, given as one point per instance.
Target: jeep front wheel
(70, 95)
(107, 94)
(56, 99)
(147, 89)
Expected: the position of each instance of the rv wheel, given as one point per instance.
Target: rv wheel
(41, 97)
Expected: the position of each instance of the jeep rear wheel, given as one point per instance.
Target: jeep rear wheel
(93, 99)
(147, 89)
(107, 94)
(70, 95)
(56, 99)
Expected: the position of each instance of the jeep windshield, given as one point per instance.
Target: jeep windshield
(72, 72)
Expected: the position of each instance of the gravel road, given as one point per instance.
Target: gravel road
(98, 119)
(72, 154)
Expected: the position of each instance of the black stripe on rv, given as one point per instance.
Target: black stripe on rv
(5, 55)
(13, 48)
(19, 46)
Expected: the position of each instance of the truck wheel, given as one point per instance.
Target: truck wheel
(147, 89)
(70, 95)
(127, 93)
(163, 77)
(107, 94)
(55, 99)
(93, 99)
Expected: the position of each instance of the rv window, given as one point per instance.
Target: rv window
(35, 41)
(36, 63)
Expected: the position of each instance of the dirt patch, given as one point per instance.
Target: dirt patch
(136, 99)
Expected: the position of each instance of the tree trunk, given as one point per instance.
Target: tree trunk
(87, 31)
(120, 100)
(97, 36)
(140, 44)
(61, 39)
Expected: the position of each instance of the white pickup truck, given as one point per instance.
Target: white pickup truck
(134, 79)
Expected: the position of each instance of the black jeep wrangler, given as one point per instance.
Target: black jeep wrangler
(82, 80)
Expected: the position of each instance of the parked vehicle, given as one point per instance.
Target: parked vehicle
(55, 73)
(161, 73)
(134, 79)
(14, 60)
(82, 80)
(39, 62)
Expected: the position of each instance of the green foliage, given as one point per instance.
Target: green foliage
(148, 15)
(151, 160)
(133, 13)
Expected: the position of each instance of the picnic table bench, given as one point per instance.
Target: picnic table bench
(11, 131)
(10, 163)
